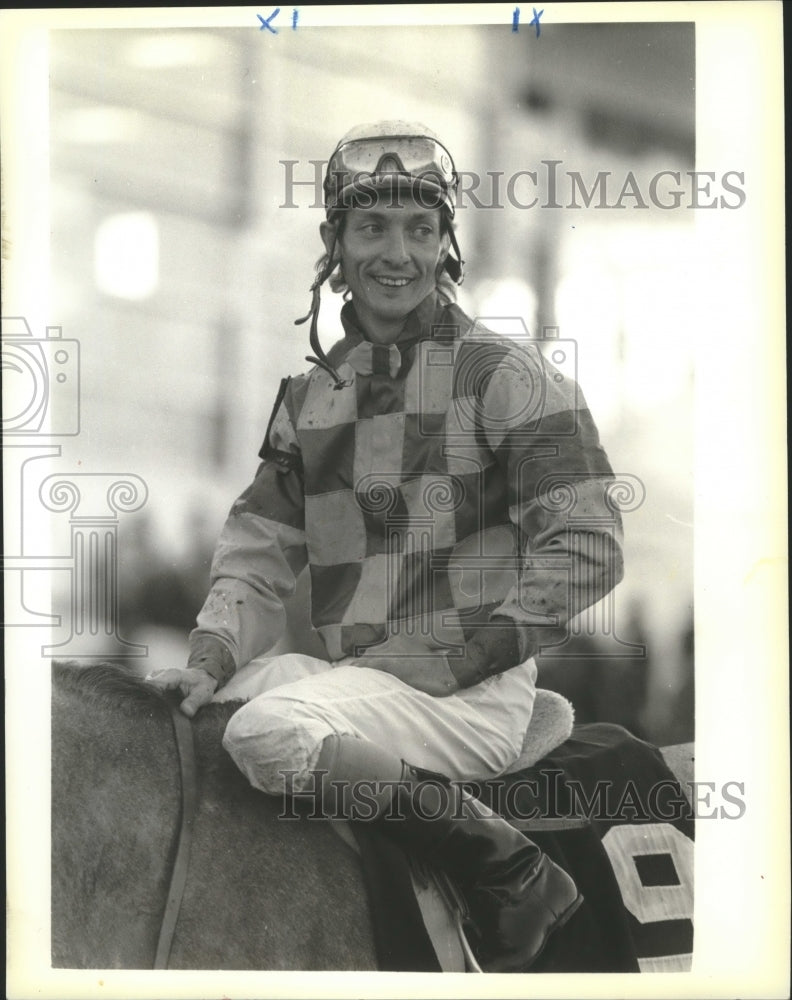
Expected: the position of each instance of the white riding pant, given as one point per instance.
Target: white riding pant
(295, 701)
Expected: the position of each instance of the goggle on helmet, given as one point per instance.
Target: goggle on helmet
(374, 156)
(385, 156)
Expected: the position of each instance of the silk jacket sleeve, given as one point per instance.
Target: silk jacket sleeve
(559, 483)
(260, 553)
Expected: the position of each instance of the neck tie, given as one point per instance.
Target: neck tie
(374, 359)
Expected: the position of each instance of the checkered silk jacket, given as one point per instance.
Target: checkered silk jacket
(455, 475)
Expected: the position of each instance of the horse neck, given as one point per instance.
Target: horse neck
(261, 890)
(115, 806)
(266, 892)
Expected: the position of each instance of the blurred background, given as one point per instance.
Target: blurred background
(181, 256)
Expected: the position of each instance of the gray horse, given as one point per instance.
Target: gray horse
(262, 894)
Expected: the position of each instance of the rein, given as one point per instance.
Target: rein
(182, 730)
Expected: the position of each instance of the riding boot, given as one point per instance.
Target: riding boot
(516, 895)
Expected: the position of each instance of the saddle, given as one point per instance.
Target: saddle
(441, 906)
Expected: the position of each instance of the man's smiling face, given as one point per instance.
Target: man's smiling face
(390, 255)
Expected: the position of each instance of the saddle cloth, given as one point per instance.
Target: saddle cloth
(607, 808)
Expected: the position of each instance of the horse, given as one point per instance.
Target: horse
(263, 894)
(270, 887)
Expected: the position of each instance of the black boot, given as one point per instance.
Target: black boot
(517, 896)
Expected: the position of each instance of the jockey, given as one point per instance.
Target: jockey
(415, 469)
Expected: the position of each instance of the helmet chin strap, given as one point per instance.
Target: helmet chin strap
(452, 265)
(313, 314)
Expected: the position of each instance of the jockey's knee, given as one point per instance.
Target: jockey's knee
(275, 744)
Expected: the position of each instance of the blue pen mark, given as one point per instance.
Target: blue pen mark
(536, 19)
(294, 19)
(516, 19)
(265, 22)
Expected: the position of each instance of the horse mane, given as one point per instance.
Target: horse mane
(118, 687)
(109, 686)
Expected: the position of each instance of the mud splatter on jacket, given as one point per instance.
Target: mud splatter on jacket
(458, 474)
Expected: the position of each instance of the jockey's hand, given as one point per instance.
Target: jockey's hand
(414, 663)
(197, 685)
